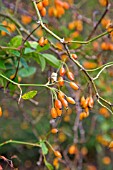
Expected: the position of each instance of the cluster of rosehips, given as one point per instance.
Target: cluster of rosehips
(86, 105)
(42, 41)
(41, 7)
(107, 46)
(59, 9)
(11, 27)
(62, 100)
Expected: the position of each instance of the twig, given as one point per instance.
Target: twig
(97, 76)
(105, 12)
(19, 142)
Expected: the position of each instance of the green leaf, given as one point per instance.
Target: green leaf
(32, 44)
(44, 147)
(2, 28)
(2, 65)
(48, 165)
(29, 95)
(28, 50)
(44, 48)
(42, 62)
(24, 63)
(26, 72)
(16, 41)
(52, 60)
(14, 52)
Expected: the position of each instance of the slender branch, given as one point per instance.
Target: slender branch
(19, 142)
(98, 68)
(43, 26)
(17, 84)
(91, 40)
(97, 76)
(96, 26)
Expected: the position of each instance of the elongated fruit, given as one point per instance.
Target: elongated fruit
(57, 154)
(40, 6)
(62, 71)
(70, 100)
(53, 113)
(41, 41)
(61, 81)
(90, 102)
(70, 75)
(45, 3)
(64, 102)
(59, 112)
(58, 104)
(74, 86)
(74, 56)
(60, 95)
(43, 12)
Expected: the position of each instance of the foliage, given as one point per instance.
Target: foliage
(56, 84)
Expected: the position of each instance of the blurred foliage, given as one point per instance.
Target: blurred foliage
(83, 143)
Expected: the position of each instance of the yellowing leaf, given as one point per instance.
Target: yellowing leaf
(29, 95)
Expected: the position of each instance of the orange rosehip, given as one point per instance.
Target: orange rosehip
(0, 111)
(53, 113)
(45, 3)
(62, 71)
(41, 41)
(60, 95)
(65, 5)
(58, 104)
(54, 130)
(60, 81)
(89, 64)
(64, 103)
(74, 86)
(74, 56)
(26, 19)
(64, 57)
(70, 75)
(72, 149)
(70, 100)
(82, 100)
(105, 46)
(43, 12)
(57, 154)
(45, 41)
(59, 112)
(83, 115)
(90, 102)
(40, 6)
